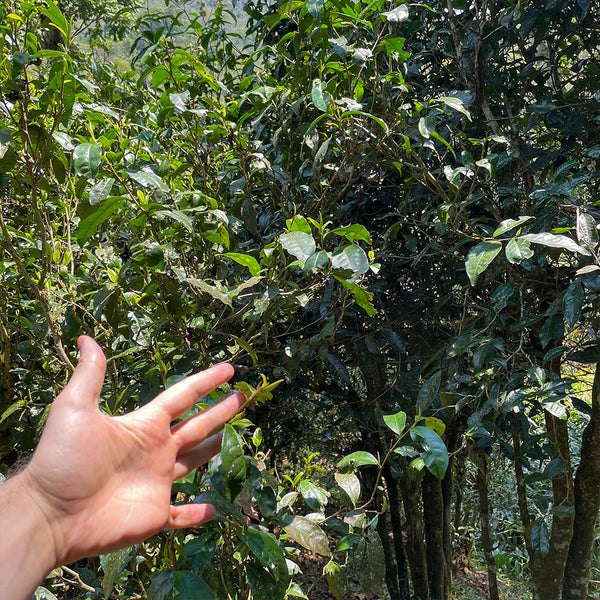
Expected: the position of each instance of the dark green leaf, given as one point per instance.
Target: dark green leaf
(540, 540)
(336, 579)
(572, 303)
(112, 565)
(189, 586)
(590, 353)
(89, 225)
(101, 191)
(234, 462)
(429, 391)
(435, 456)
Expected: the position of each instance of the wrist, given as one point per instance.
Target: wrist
(28, 548)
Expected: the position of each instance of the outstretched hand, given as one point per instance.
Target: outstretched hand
(101, 483)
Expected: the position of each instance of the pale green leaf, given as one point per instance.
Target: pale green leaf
(480, 257)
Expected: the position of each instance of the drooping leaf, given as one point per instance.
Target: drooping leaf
(435, 456)
(89, 225)
(540, 539)
(86, 159)
(112, 565)
(350, 483)
(307, 533)
(337, 580)
(234, 462)
(552, 240)
(480, 257)
(429, 391)
(321, 99)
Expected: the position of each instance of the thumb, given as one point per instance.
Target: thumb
(85, 385)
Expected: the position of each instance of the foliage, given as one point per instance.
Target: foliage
(390, 208)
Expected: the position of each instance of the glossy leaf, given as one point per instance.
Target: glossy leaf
(429, 391)
(480, 257)
(556, 241)
(246, 261)
(540, 539)
(350, 483)
(356, 459)
(86, 159)
(299, 244)
(396, 422)
(234, 462)
(307, 533)
(189, 586)
(518, 249)
(435, 455)
(101, 191)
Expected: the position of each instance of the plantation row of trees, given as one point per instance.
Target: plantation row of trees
(390, 208)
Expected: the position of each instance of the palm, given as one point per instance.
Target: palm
(108, 479)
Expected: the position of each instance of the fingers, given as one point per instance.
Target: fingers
(198, 455)
(201, 426)
(188, 515)
(85, 385)
(179, 398)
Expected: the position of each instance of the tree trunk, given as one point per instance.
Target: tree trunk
(396, 520)
(587, 504)
(548, 571)
(433, 513)
(391, 571)
(484, 512)
(415, 544)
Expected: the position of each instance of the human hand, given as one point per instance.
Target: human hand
(103, 483)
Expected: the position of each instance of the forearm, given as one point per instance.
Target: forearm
(26, 544)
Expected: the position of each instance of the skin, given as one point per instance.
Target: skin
(98, 483)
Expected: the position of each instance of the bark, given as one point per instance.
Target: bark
(587, 505)
(391, 572)
(484, 513)
(396, 521)
(433, 516)
(415, 544)
(548, 572)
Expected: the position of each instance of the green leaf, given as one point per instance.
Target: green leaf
(368, 564)
(480, 257)
(299, 244)
(555, 468)
(211, 290)
(553, 329)
(396, 422)
(429, 391)
(246, 261)
(455, 104)
(321, 99)
(86, 159)
(112, 565)
(556, 241)
(572, 303)
(517, 250)
(540, 539)
(148, 179)
(338, 369)
(189, 586)
(361, 296)
(336, 579)
(179, 216)
(352, 258)
(43, 594)
(307, 533)
(350, 483)
(353, 233)
(89, 225)
(234, 462)
(313, 495)
(590, 353)
(53, 13)
(101, 191)
(357, 459)
(435, 456)
(317, 261)
(510, 224)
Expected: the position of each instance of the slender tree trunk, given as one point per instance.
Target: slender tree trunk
(433, 513)
(548, 571)
(415, 541)
(391, 571)
(396, 520)
(484, 513)
(587, 504)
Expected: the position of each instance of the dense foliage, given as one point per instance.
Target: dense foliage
(389, 208)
